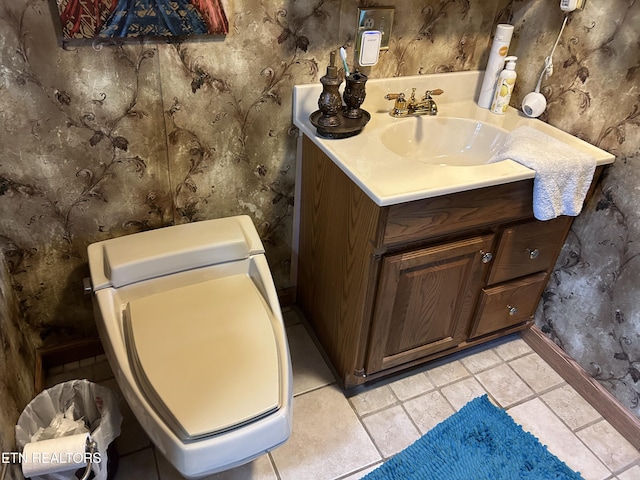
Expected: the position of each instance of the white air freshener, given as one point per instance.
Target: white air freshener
(370, 48)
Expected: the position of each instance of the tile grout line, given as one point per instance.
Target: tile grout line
(273, 465)
(538, 395)
(364, 428)
(156, 463)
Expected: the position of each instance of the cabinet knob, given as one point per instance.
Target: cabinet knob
(533, 253)
(486, 256)
(512, 310)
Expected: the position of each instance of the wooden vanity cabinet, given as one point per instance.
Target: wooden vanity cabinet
(387, 288)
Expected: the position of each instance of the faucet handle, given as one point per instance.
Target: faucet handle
(428, 93)
(400, 105)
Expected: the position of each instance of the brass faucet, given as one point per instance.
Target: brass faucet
(411, 108)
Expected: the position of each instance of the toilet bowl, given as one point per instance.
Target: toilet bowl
(192, 328)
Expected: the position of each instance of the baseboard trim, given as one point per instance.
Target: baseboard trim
(604, 402)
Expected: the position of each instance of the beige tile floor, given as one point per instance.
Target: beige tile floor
(335, 437)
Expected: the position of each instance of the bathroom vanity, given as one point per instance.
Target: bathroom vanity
(390, 275)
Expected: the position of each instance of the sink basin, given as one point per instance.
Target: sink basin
(442, 141)
(397, 160)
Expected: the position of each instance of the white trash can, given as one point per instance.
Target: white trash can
(70, 408)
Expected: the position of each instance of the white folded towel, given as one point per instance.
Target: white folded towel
(563, 174)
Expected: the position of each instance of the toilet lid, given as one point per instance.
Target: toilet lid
(205, 355)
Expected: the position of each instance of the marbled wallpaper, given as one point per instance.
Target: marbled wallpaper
(591, 307)
(106, 140)
(16, 364)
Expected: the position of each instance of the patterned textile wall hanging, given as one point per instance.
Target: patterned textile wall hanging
(102, 19)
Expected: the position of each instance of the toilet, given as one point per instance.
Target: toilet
(192, 328)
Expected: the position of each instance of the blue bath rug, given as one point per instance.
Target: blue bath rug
(480, 442)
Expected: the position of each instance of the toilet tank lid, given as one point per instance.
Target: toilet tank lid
(140, 256)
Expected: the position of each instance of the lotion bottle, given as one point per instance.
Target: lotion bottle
(504, 87)
(497, 54)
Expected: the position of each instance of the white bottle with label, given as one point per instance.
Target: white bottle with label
(499, 49)
(504, 87)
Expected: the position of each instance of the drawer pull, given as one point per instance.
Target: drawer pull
(486, 256)
(512, 310)
(533, 254)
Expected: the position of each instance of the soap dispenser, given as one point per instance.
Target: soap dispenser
(330, 101)
(504, 87)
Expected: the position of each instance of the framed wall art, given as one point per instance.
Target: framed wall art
(122, 19)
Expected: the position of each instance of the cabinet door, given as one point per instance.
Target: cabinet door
(425, 301)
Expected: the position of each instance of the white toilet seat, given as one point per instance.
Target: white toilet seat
(216, 271)
(225, 330)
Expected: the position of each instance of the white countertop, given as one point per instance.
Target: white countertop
(388, 178)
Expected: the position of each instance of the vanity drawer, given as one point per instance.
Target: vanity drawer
(508, 304)
(458, 212)
(528, 248)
